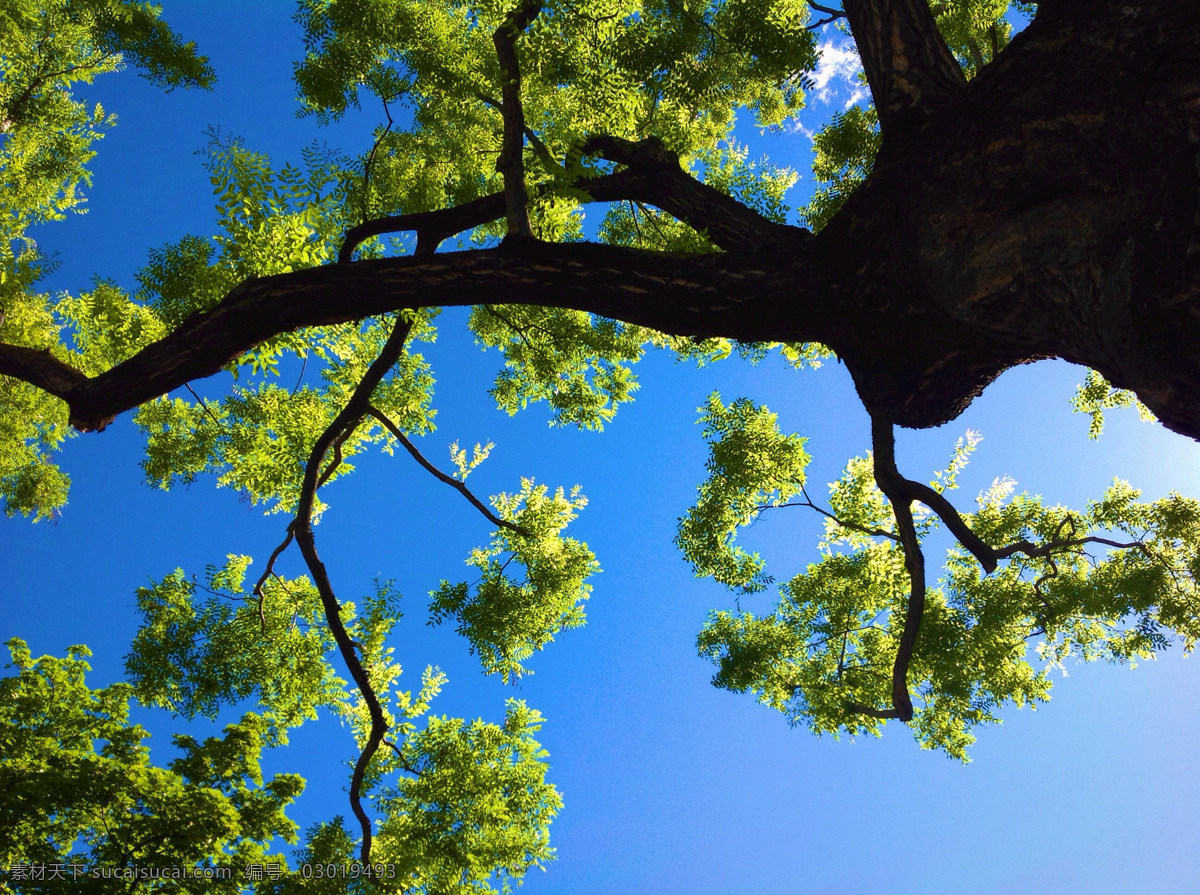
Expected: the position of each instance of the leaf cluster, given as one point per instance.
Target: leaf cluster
(1116, 581)
(506, 619)
(77, 786)
(751, 467)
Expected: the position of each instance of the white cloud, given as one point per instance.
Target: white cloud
(839, 68)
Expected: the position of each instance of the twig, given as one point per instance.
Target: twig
(404, 765)
(459, 486)
(267, 572)
(853, 526)
(540, 149)
(369, 164)
(211, 415)
(300, 378)
(337, 453)
(832, 15)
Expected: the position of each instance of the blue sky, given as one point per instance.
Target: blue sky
(670, 785)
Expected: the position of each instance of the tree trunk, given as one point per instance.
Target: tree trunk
(1049, 208)
(1052, 210)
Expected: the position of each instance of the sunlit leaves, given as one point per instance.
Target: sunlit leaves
(77, 785)
(751, 466)
(206, 644)
(844, 150)
(107, 327)
(576, 362)
(507, 619)
(1116, 581)
(257, 440)
(474, 807)
(1095, 395)
(47, 48)
(274, 221)
(464, 466)
(975, 30)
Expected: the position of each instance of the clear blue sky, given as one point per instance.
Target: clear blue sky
(670, 785)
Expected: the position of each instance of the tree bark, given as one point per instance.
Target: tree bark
(1048, 208)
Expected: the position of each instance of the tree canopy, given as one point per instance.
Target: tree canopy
(1000, 197)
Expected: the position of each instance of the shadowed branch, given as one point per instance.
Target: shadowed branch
(511, 162)
(908, 65)
(301, 527)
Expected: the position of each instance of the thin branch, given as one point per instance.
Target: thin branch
(203, 403)
(539, 148)
(908, 490)
(853, 526)
(511, 162)
(301, 527)
(654, 175)
(431, 227)
(404, 765)
(458, 485)
(300, 378)
(888, 477)
(369, 165)
(1043, 551)
(492, 312)
(337, 454)
(267, 573)
(831, 15)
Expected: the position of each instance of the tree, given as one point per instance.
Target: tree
(1000, 202)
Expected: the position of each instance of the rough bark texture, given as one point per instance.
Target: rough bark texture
(1049, 208)
(908, 65)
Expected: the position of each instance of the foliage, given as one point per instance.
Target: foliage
(192, 657)
(77, 788)
(464, 806)
(845, 150)
(506, 621)
(1095, 395)
(46, 143)
(751, 466)
(829, 643)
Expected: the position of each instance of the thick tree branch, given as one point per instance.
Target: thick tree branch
(511, 163)
(651, 174)
(860, 709)
(1050, 213)
(908, 65)
(685, 295)
(40, 368)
